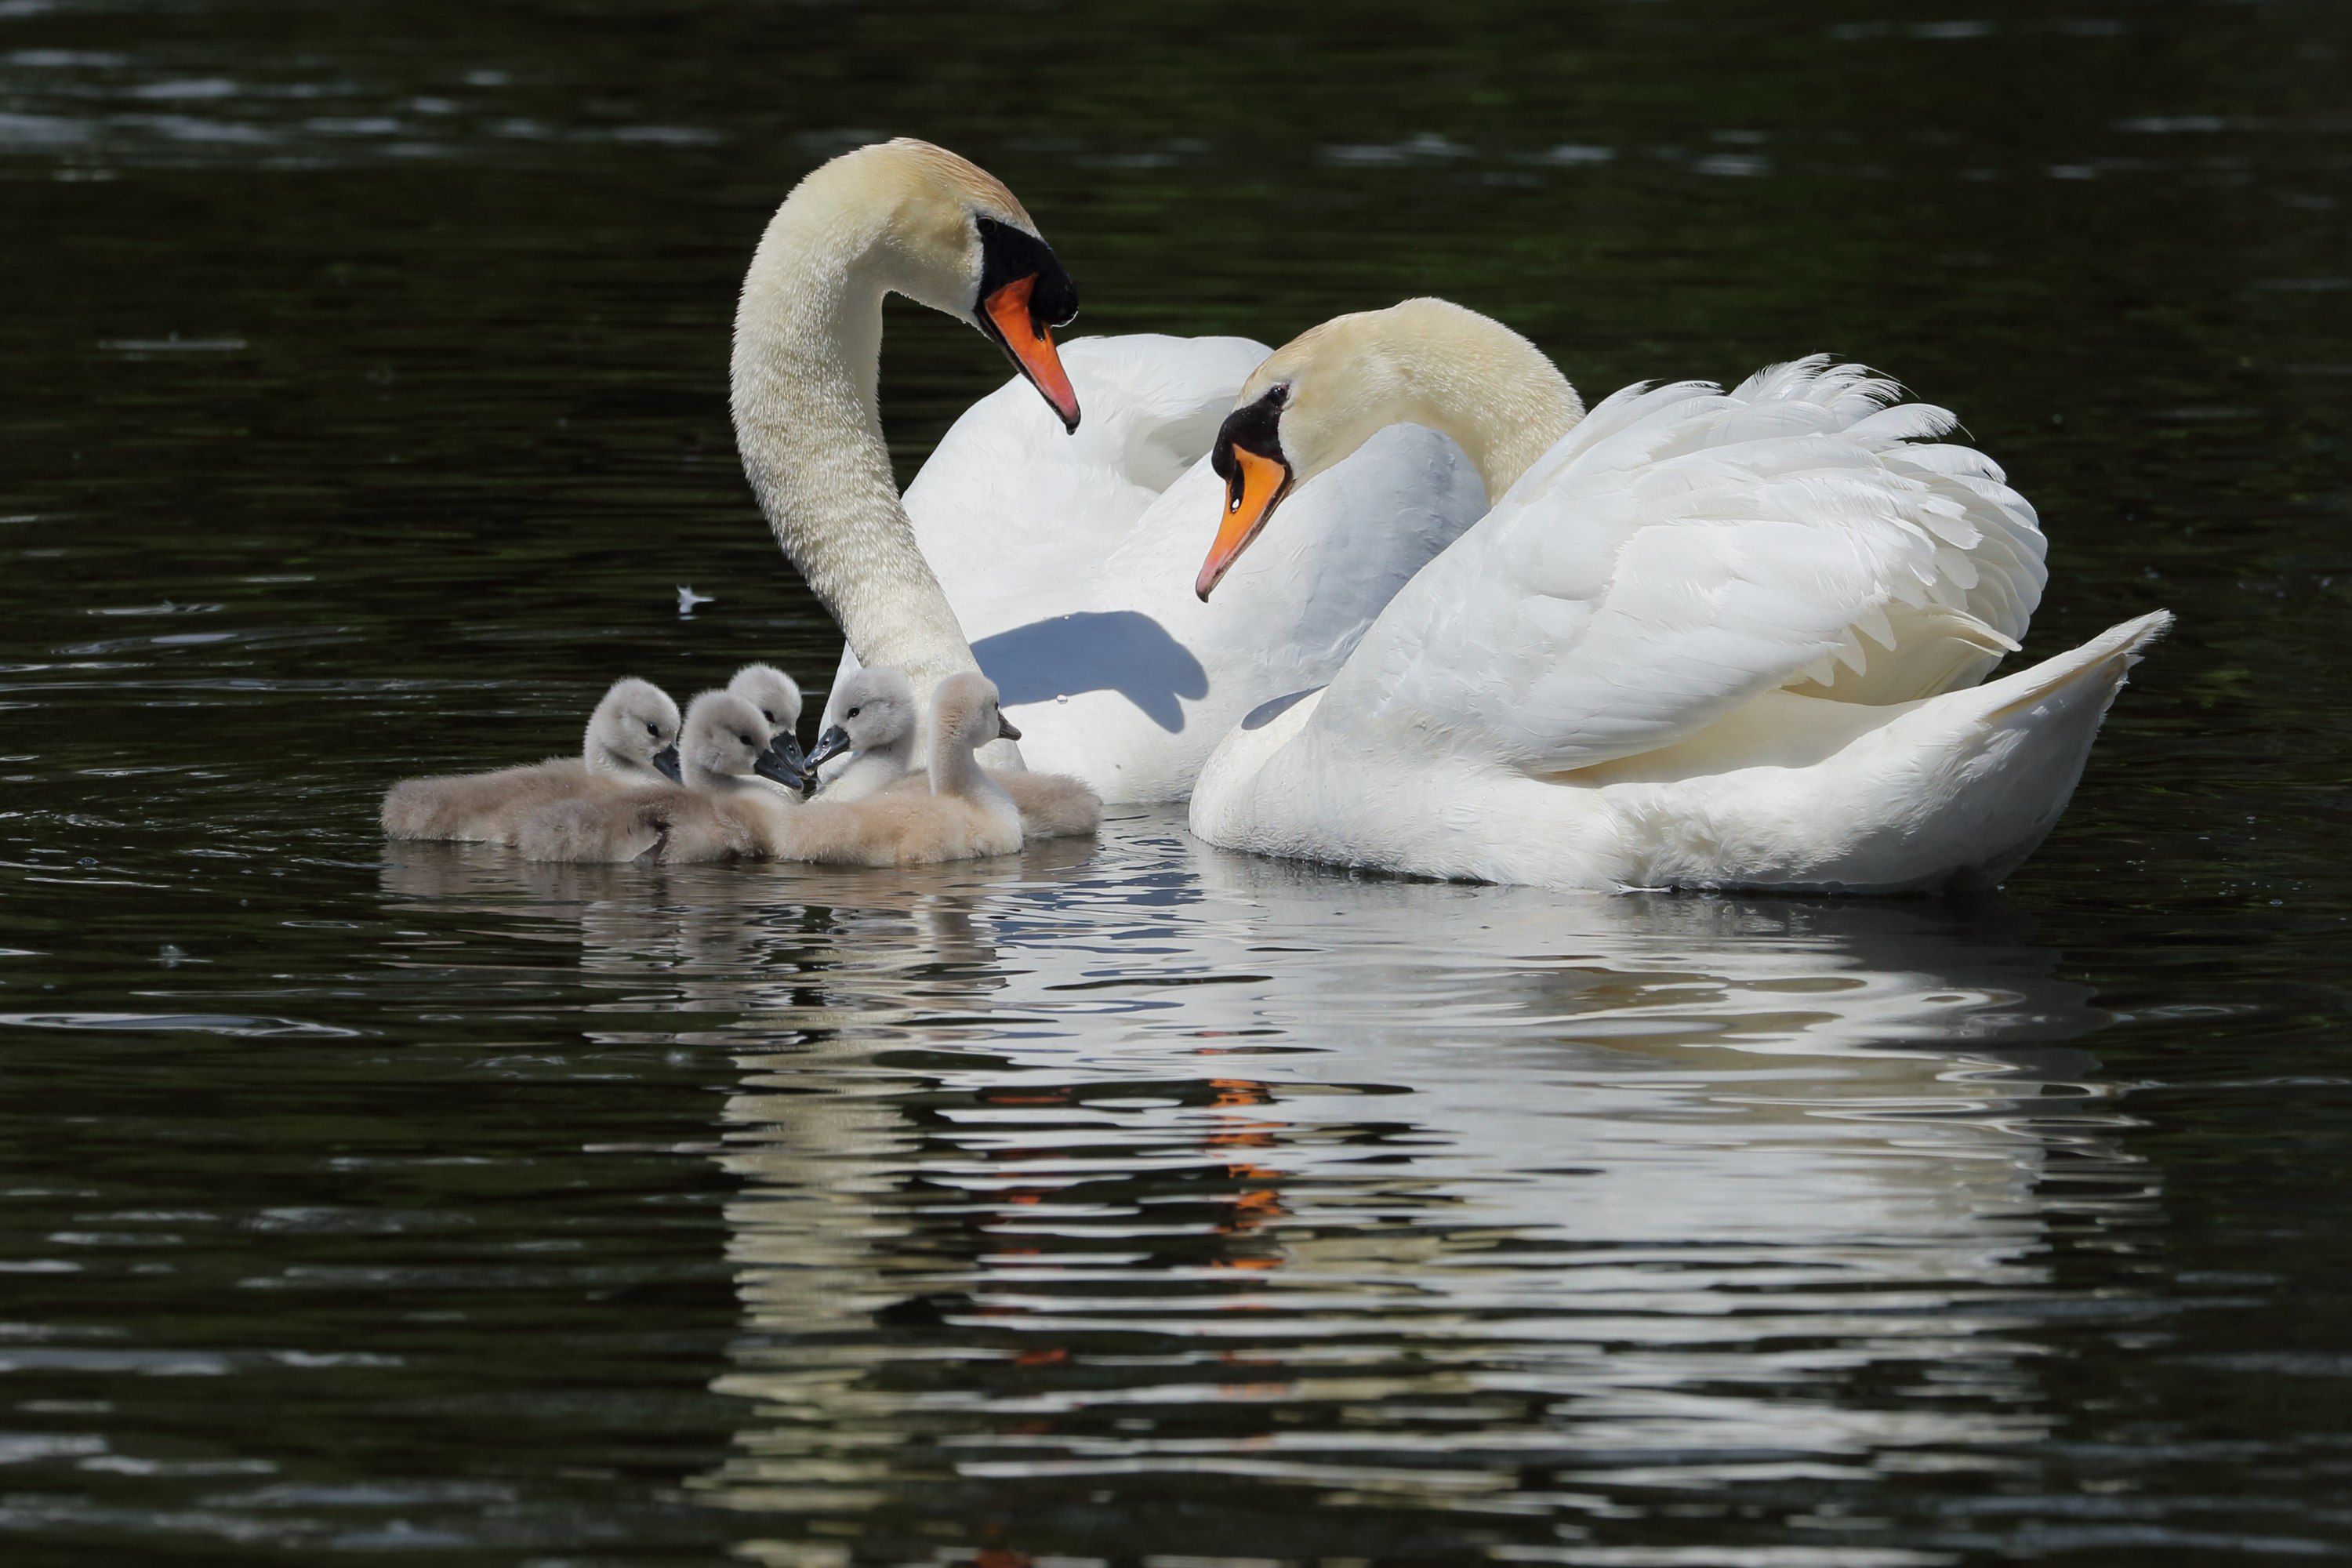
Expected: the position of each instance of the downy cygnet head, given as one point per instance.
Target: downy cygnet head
(877, 711)
(958, 241)
(633, 732)
(778, 698)
(1317, 398)
(965, 713)
(726, 745)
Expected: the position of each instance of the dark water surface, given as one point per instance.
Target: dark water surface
(364, 409)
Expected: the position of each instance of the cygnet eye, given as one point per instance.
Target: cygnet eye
(655, 731)
(851, 714)
(745, 739)
(768, 716)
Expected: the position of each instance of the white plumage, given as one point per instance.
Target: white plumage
(1708, 639)
(1067, 558)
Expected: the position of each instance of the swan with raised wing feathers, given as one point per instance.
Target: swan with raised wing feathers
(1047, 552)
(631, 744)
(1702, 639)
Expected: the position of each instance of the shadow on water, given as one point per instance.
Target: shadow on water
(1168, 1190)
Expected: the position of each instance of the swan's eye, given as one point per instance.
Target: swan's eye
(771, 718)
(1278, 394)
(655, 731)
(851, 714)
(745, 739)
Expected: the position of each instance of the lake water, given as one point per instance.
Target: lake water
(1137, 1201)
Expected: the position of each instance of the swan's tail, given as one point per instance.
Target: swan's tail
(2099, 663)
(2006, 755)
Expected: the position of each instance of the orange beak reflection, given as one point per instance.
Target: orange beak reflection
(1258, 485)
(1031, 345)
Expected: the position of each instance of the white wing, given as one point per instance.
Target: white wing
(1006, 487)
(1684, 550)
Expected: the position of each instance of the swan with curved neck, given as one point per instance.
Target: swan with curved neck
(1332, 388)
(902, 218)
(1702, 638)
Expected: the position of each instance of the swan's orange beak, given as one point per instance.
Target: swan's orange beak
(1256, 487)
(1030, 342)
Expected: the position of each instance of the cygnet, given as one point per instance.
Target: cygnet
(778, 698)
(877, 729)
(725, 809)
(964, 813)
(631, 743)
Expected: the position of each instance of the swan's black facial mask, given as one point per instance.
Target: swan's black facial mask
(1024, 294)
(1248, 457)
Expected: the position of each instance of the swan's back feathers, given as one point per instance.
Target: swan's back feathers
(1684, 550)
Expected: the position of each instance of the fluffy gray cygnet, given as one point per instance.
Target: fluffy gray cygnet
(964, 813)
(731, 806)
(778, 698)
(631, 744)
(877, 729)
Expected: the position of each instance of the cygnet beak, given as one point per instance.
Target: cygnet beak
(772, 763)
(783, 761)
(829, 745)
(665, 761)
(1004, 730)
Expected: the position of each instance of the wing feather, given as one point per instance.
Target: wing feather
(1684, 550)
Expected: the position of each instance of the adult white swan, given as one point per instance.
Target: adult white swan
(1048, 551)
(1704, 639)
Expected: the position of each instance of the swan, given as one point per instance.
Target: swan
(777, 696)
(877, 733)
(962, 814)
(1042, 550)
(631, 743)
(1704, 639)
(732, 805)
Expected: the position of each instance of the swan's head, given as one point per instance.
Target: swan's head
(635, 727)
(876, 710)
(725, 745)
(965, 245)
(778, 698)
(1324, 394)
(965, 712)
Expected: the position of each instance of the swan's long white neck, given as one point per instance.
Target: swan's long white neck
(1432, 362)
(808, 343)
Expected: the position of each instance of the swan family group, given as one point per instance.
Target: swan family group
(1390, 596)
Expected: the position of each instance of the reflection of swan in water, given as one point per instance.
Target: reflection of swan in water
(1107, 1173)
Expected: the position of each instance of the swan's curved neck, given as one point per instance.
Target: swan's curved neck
(808, 344)
(1473, 378)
